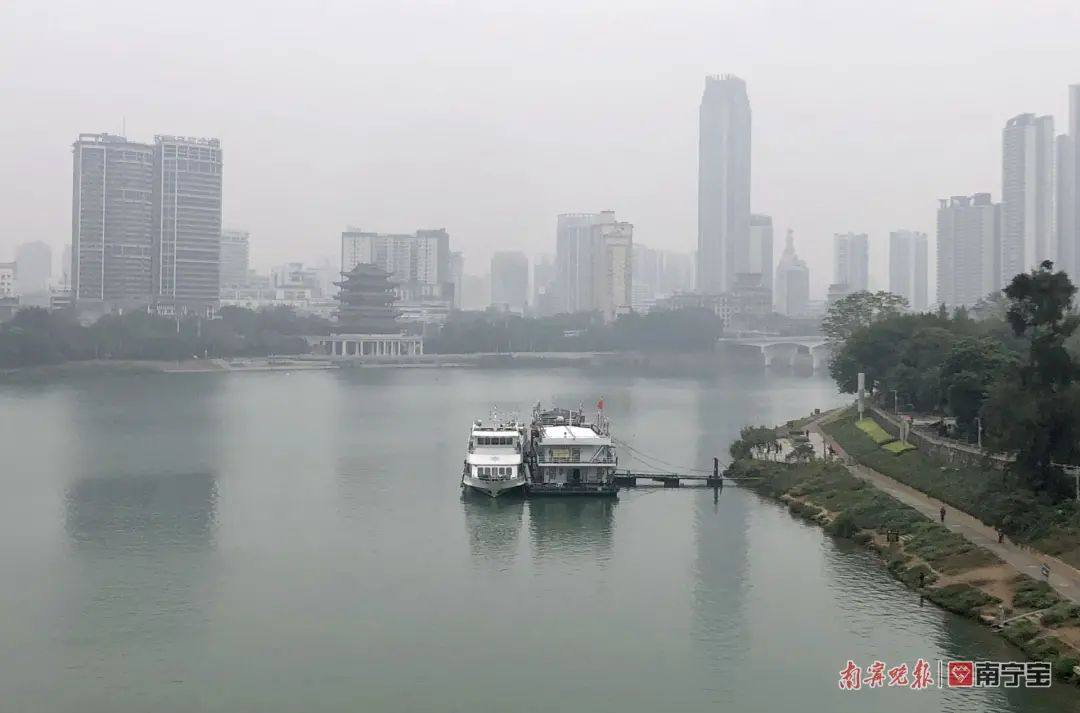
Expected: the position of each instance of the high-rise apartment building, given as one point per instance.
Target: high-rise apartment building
(1028, 234)
(510, 281)
(187, 222)
(613, 269)
(235, 257)
(760, 250)
(9, 274)
(574, 258)
(1068, 189)
(967, 249)
(909, 267)
(1065, 205)
(35, 267)
(851, 261)
(791, 291)
(723, 184)
(457, 277)
(112, 220)
(545, 295)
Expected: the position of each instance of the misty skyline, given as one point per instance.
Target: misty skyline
(490, 119)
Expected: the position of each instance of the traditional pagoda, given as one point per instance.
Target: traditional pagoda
(366, 302)
(367, 325)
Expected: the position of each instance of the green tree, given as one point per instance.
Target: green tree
(859, 309)
(1035, 411)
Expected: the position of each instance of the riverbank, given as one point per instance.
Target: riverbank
(939, 564)
(982, 490)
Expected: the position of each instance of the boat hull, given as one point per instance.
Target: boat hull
(493, 488)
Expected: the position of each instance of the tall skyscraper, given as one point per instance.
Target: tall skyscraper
(908, 267)
(510, 281)
(234, 258)
(851, 261)
(112, 219)
(35, 267)
(1027, 195)
(574, 258)
(791, 291)
(187, 222)
(723, 183)
(760, 253)
(967, 249)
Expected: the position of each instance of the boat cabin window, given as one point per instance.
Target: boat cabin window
(494, 440)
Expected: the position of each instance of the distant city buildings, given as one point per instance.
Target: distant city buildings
(851, 261)
(909, 267)
(235, 258)
(419, 265)
(574, 258)
(510, 282)
(146, 223)
(724, 128)
(791, 292)
(34, 261)
(1027, 195)
(8, 275)
(967, 249)
(594, 263)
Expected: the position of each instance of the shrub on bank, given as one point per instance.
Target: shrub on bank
(1029, 593)
(962, 599)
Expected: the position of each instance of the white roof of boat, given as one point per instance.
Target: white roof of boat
(573, 433)
(489, 431)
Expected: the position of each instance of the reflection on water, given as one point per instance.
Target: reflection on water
(569, 527)
(493, 526)
(142, 512)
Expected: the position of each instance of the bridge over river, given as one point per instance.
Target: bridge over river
(781, 351)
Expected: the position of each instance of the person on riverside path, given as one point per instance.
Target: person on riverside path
(942, 513)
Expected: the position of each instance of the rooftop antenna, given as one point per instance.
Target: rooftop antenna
(123, 126)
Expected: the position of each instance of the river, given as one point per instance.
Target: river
(298, 542)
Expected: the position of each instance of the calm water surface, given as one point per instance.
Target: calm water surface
(297, 542)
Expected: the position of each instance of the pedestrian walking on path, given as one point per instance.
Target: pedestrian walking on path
(942, 512)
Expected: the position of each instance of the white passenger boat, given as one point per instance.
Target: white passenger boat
(495, 462)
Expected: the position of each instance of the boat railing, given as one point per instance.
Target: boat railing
(599, 459)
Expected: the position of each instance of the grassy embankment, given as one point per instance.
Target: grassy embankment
(986, 493)
(946, 568)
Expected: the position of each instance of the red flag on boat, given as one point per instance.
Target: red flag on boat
(600, 404)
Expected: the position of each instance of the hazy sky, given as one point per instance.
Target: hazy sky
(489, 118)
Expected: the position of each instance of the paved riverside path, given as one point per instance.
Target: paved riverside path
(1063, 577)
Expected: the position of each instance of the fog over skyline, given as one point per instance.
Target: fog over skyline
(490, 118)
